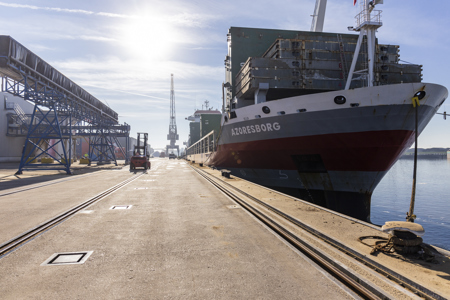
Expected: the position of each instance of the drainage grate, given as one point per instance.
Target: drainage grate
(121, 207)
(67, 258)
(233, 206)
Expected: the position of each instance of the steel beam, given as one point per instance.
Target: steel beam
(58, 103)
(32, 148)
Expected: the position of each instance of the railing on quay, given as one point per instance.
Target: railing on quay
(202, 149)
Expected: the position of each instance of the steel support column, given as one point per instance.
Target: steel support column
(44, 125)
(101, 146)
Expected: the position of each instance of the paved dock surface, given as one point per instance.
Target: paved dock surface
(181, 239)
(433, 275)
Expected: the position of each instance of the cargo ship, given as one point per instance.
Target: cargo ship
(320, 116)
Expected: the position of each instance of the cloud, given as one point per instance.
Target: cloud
(137, 69)
(40, 47)
(126, 92)
(124, 82)
(85, 37)
(67, 10)
(182, 19)
(191, 20)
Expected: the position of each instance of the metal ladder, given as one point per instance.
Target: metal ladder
(24, 119)
(343, 61)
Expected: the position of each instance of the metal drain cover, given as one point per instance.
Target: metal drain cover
(67, 258)
(121, 207)
(233, 206)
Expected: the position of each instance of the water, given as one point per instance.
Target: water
(392, 197)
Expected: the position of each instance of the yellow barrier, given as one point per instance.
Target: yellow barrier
(47, 160)
(64, 161)
(31, 160)
(84, 161)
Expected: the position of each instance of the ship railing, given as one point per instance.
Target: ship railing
(368, 18)
(205, 145)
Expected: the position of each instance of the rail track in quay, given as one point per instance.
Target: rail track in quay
(364, 276)
(27, 236)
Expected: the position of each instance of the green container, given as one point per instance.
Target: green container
(210, 122)
(194, 132)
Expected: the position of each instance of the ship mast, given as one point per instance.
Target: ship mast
(367, 23)
(319, 16)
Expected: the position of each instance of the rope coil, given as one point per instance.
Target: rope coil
(400, 245)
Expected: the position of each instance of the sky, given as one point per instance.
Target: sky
(124, 52)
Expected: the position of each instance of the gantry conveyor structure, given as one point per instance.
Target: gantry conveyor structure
(60, 105)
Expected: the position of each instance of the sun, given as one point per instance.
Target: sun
(148, 37)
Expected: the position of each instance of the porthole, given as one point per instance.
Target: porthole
(339, 100)
(266, 110)
(420, 94)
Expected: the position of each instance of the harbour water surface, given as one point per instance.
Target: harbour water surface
(392, 197)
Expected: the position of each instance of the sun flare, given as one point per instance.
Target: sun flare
(148, 37)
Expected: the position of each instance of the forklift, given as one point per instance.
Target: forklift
(141, 157)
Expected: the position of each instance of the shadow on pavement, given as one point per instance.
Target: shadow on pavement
(8, 179)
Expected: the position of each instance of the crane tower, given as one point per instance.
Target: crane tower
(173, 135)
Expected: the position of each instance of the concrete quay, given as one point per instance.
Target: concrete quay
(433, 275)
(181, 238)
